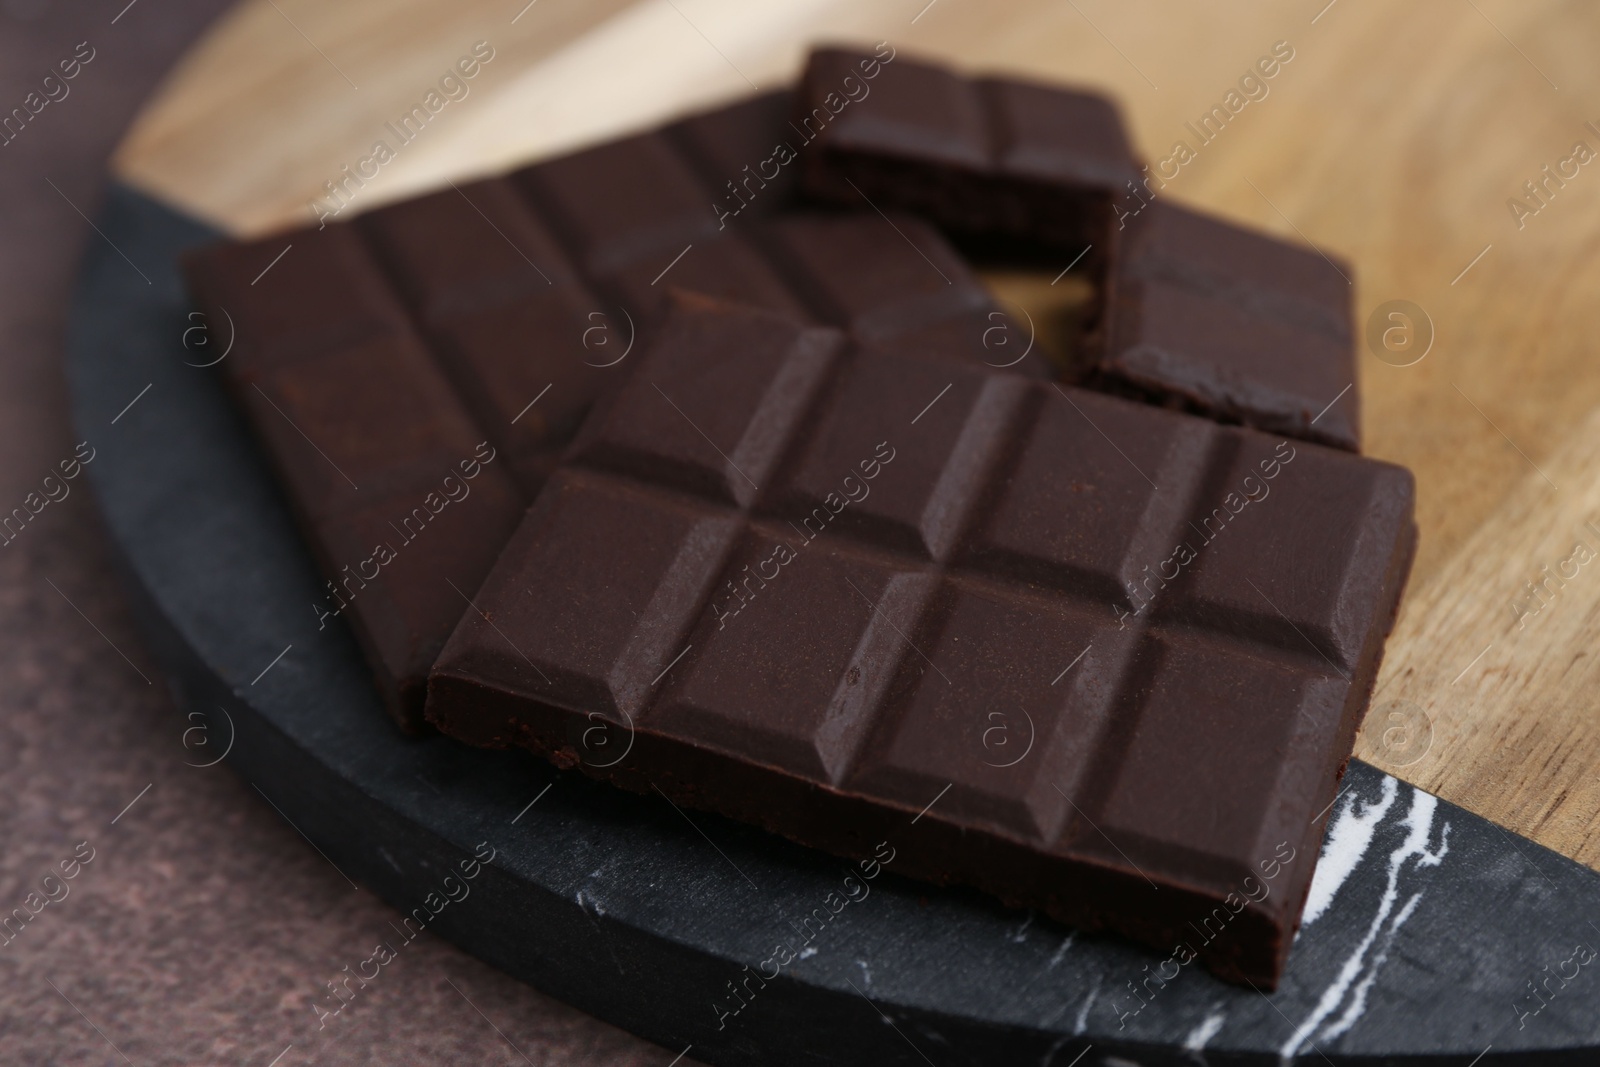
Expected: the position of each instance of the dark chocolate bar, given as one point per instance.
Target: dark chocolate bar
(1195, 313)
(984, 158)
(389, 348)
(406, 501)
(507, 314)
(1092, 656)
(1216, 319)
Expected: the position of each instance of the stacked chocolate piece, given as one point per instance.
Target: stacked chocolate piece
(687, 460)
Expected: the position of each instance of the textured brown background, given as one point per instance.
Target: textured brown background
(204, 927)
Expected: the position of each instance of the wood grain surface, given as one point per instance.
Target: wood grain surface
(1399, 137)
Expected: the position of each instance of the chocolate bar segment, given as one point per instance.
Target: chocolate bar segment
(1092, 656)
(744, 155)
(1224, 322)
(623, 201)
(706, 205)
(1194, 313)
(381, 353)
(510, 320)
(984, 158)
(471, 246)
(897, 282)
(401, 497)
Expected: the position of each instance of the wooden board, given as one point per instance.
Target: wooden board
(1396, 137)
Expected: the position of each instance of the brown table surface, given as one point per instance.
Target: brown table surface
(203, 928)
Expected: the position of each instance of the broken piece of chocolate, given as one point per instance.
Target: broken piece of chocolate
(1212, 318)
(1194, 313)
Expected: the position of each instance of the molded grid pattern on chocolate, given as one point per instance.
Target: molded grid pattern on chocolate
(381, 462)
(544, 278)
(1233, 324)
(983, 156)
(1199, 313)
(547, 276)
(854, 566)
(374, 356)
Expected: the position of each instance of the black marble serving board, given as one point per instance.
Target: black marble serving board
(1432, 936)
